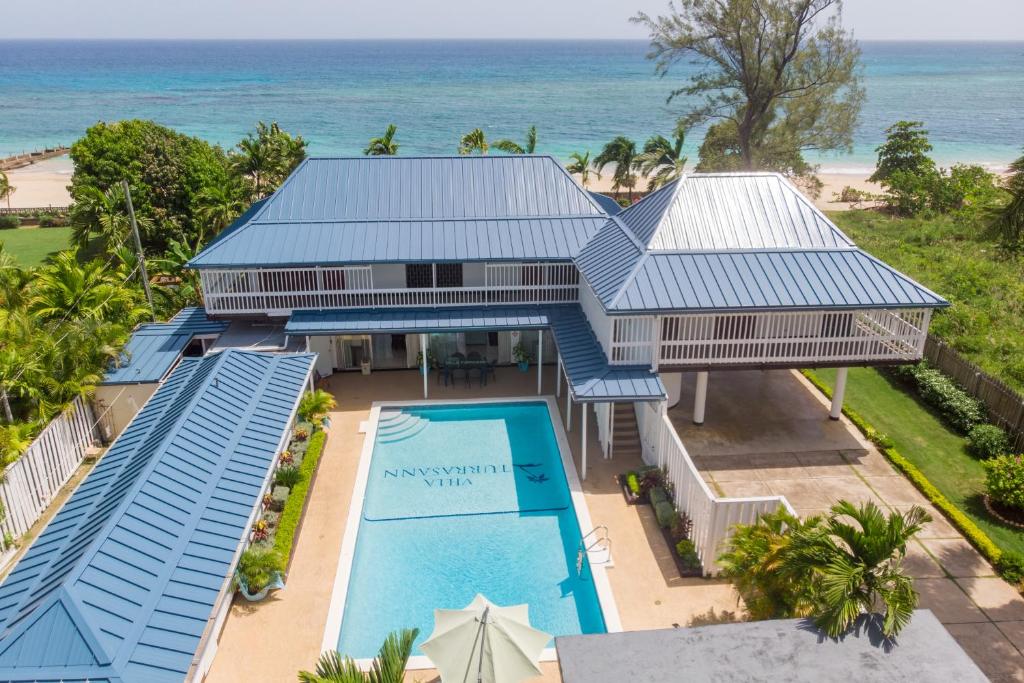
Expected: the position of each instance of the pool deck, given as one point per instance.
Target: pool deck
(273, 640)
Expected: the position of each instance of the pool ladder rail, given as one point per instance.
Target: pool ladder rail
(596, 546)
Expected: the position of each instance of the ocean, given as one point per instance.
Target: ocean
(579, 94)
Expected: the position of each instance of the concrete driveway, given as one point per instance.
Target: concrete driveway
(768, 432)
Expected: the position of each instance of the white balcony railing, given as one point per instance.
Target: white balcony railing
(736, 339)
(280, 291)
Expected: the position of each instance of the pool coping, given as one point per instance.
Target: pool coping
(339, 592)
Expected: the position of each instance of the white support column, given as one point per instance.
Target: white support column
(540, 361)
(583, 432)
(837, 394)
(423, 351)
(700, 398)
(610, 432)
(558, 376)
(568, 410)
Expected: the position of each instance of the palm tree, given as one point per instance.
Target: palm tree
(103, 213)
(252, 160)
(314, 405)
(384, 146)
(858, 566)
(1008, 221)
(621, 151)
(6, 189)
(69, 290)
(387, 667)
(512, 147)
(581, 166)
(188, 291)
(473, 141)
(662, 161)
(754, 559)
(217, 206)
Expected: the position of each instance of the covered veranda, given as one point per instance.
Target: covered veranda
(580, 360)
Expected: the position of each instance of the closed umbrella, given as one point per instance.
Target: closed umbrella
(485, 643)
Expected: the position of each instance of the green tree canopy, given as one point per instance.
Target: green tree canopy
(265, 157)
(385, 145)
(513, 147)
(662, 160)
(778, 78)
(166, 171)
(620, 151)
(580, 165)
(473, 142)
(905, 149)
(1008, 221)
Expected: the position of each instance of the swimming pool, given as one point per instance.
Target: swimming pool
(460, 499)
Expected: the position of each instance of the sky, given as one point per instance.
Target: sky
(870, 19)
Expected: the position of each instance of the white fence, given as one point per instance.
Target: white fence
(282, 290)
(713, 517)
(30, 482)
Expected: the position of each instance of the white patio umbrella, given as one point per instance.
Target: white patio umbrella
(485, 643)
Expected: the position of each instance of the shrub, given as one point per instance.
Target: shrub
(687, 552)
(260, 531)
(314, 405)
(987, 441)
(48, 220)
(257, 567)
(961, 410)
(287, 476)
(657, 495)
(301, 434)
(1011, 567)
(1004, 480)
(633, 483)
(8, 222)
(650, 478)
(682, 527)
(665, 513)
(288, 525)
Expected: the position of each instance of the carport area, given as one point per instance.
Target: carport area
(769, 433)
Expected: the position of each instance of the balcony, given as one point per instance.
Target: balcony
(278, 292)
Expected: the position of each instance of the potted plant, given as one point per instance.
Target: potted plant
(431, 361)
(522, 357)
(258, 573)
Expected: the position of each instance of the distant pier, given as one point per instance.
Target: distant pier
(28, 158)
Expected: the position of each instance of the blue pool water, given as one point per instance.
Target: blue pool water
(464, 500)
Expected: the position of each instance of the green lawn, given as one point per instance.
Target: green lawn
(30, 246)
(984, 283)
(921, 437)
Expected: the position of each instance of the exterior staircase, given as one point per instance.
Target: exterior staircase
(625, 433)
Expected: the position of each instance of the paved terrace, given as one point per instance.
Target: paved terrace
(765, 432)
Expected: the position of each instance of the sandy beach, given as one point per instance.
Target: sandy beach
(41, 184)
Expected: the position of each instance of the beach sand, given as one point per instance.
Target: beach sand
(41, 184)
(833, 184)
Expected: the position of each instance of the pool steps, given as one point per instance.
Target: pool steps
(395, 425)
(596, 546)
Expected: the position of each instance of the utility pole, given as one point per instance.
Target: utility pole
(138, 248)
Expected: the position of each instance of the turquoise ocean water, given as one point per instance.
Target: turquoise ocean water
(579, 94)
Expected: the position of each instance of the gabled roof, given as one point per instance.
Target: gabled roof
(121, 583)
(366, 209)
(153, 348)
(590, 377)
(721, 211)
(736, 242)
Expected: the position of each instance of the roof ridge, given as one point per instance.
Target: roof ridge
(428, 219)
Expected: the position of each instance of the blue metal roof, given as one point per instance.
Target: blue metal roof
(366, 209)
(153, 348)
(608, 204)
(820, 279)
(591, 378)
(121, 583)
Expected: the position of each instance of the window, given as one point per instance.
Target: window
(449, 274)
(419, 275)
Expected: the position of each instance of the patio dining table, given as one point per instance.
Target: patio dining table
(454, 365)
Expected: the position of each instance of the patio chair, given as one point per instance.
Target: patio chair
(474, 355)
(489, 370)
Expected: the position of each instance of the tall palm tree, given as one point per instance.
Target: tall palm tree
(253, 160)
(387, 667)
(661, 160)
(217, 206)
(513, 147)
(6, 189)
(1008, 221)
(621, 152)
(473, 142)
(581, 166)
(68, 290)
(384, 146)
(103, 213)
(857, 558)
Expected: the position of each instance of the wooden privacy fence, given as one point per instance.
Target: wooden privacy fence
(31, 482)
(1005, 406)
(713, 517)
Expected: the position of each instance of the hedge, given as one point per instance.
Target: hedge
(978, 538)
(961, 410)
(291, 516)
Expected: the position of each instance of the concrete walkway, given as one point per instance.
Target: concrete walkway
(769, 433)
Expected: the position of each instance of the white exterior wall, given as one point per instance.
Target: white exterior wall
(599, 320)
(388, 275)
(473, 274)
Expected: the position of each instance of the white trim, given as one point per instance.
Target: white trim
(339, 593)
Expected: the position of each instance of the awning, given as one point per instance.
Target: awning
(591, 378)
